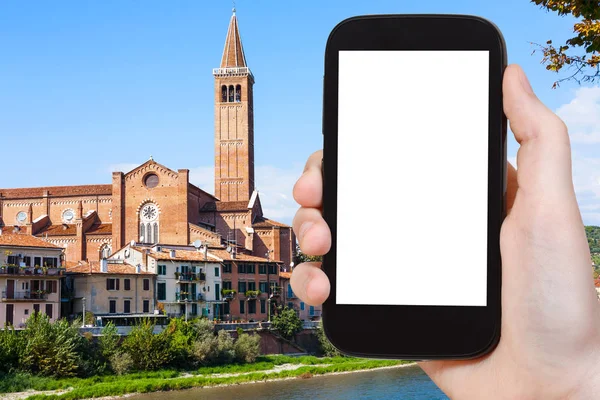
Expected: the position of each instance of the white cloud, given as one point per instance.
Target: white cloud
(582, 115)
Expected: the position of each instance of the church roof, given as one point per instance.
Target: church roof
(225, 206)
(56, 191)
(58, 230)
(233, 53)
(263, 222)
(100, 229)
(24, 240)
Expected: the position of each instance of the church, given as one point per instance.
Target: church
(154, 204)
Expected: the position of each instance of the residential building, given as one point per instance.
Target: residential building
(289, 299)
(30, 273)
(113, 290)
(188, 281)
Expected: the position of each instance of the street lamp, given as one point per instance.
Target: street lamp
(83, 323)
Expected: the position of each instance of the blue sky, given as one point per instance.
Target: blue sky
(87, 87)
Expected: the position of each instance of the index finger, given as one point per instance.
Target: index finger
(308, 190)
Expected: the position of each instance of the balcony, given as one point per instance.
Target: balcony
(185, 277)
(228, 294)
(188, 297)
(25, 296)
(41, 272)
(252, 294)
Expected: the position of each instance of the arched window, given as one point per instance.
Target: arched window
(155, 232)
(238, 93)
(223, 93)
(231, 94)
(142, 233)
(149, 232)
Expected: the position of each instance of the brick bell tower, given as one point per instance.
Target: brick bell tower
(234, 121)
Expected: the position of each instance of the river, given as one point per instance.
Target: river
(389, 384)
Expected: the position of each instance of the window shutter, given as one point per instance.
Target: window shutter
(117, 283)
(107, 284)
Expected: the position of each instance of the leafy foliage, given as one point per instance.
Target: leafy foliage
(109, 341)
(587, 37)
(301, 257)
(327, 348)
(148, 351)
(121, 363)
(11, 344)
(247, 348)
(286, 322)
(51, 349)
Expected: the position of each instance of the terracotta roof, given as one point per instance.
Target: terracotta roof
(225, 206)
(263, 222)
(224, 255)
(196, 188)
(93, 267)
(597, 282)
(285, 275)
(100, 229)
(214, 255)
(22, 240)
(56, 191)
(233, 53)
(58, 230)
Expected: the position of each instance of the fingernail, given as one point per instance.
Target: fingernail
(525, 83)
(303, 228)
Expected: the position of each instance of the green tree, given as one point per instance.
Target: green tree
(51, 349)
(109, 341)
(286, 322)
(147, 350)
(11, 345)
(582, 51)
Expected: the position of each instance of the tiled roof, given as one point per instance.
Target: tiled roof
(285, 275)
(100, 229)
(197, 189)
(93, 267)
(56, 191)
(224, 255)
(58, 230)
(23, 240)
(597, 282)
(225, 206)
(263, 222)
(214, 255)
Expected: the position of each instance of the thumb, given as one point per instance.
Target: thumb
(544, 158)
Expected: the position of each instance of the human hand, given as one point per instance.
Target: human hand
(550, 334)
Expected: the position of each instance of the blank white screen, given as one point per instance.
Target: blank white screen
(412, 178)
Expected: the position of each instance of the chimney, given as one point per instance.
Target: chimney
(103, 265)
(138, 269)
(172, 253)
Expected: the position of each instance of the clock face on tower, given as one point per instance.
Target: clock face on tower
(149, 212)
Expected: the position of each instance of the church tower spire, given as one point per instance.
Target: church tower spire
(234, 121)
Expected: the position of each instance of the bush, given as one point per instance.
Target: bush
(213, 349)
(11, 344)
(247, 348)
(51, 349)
(286, 323)
(121, 363)
(109, 341)
(147, 350)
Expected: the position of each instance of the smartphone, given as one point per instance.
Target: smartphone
(414, 174)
